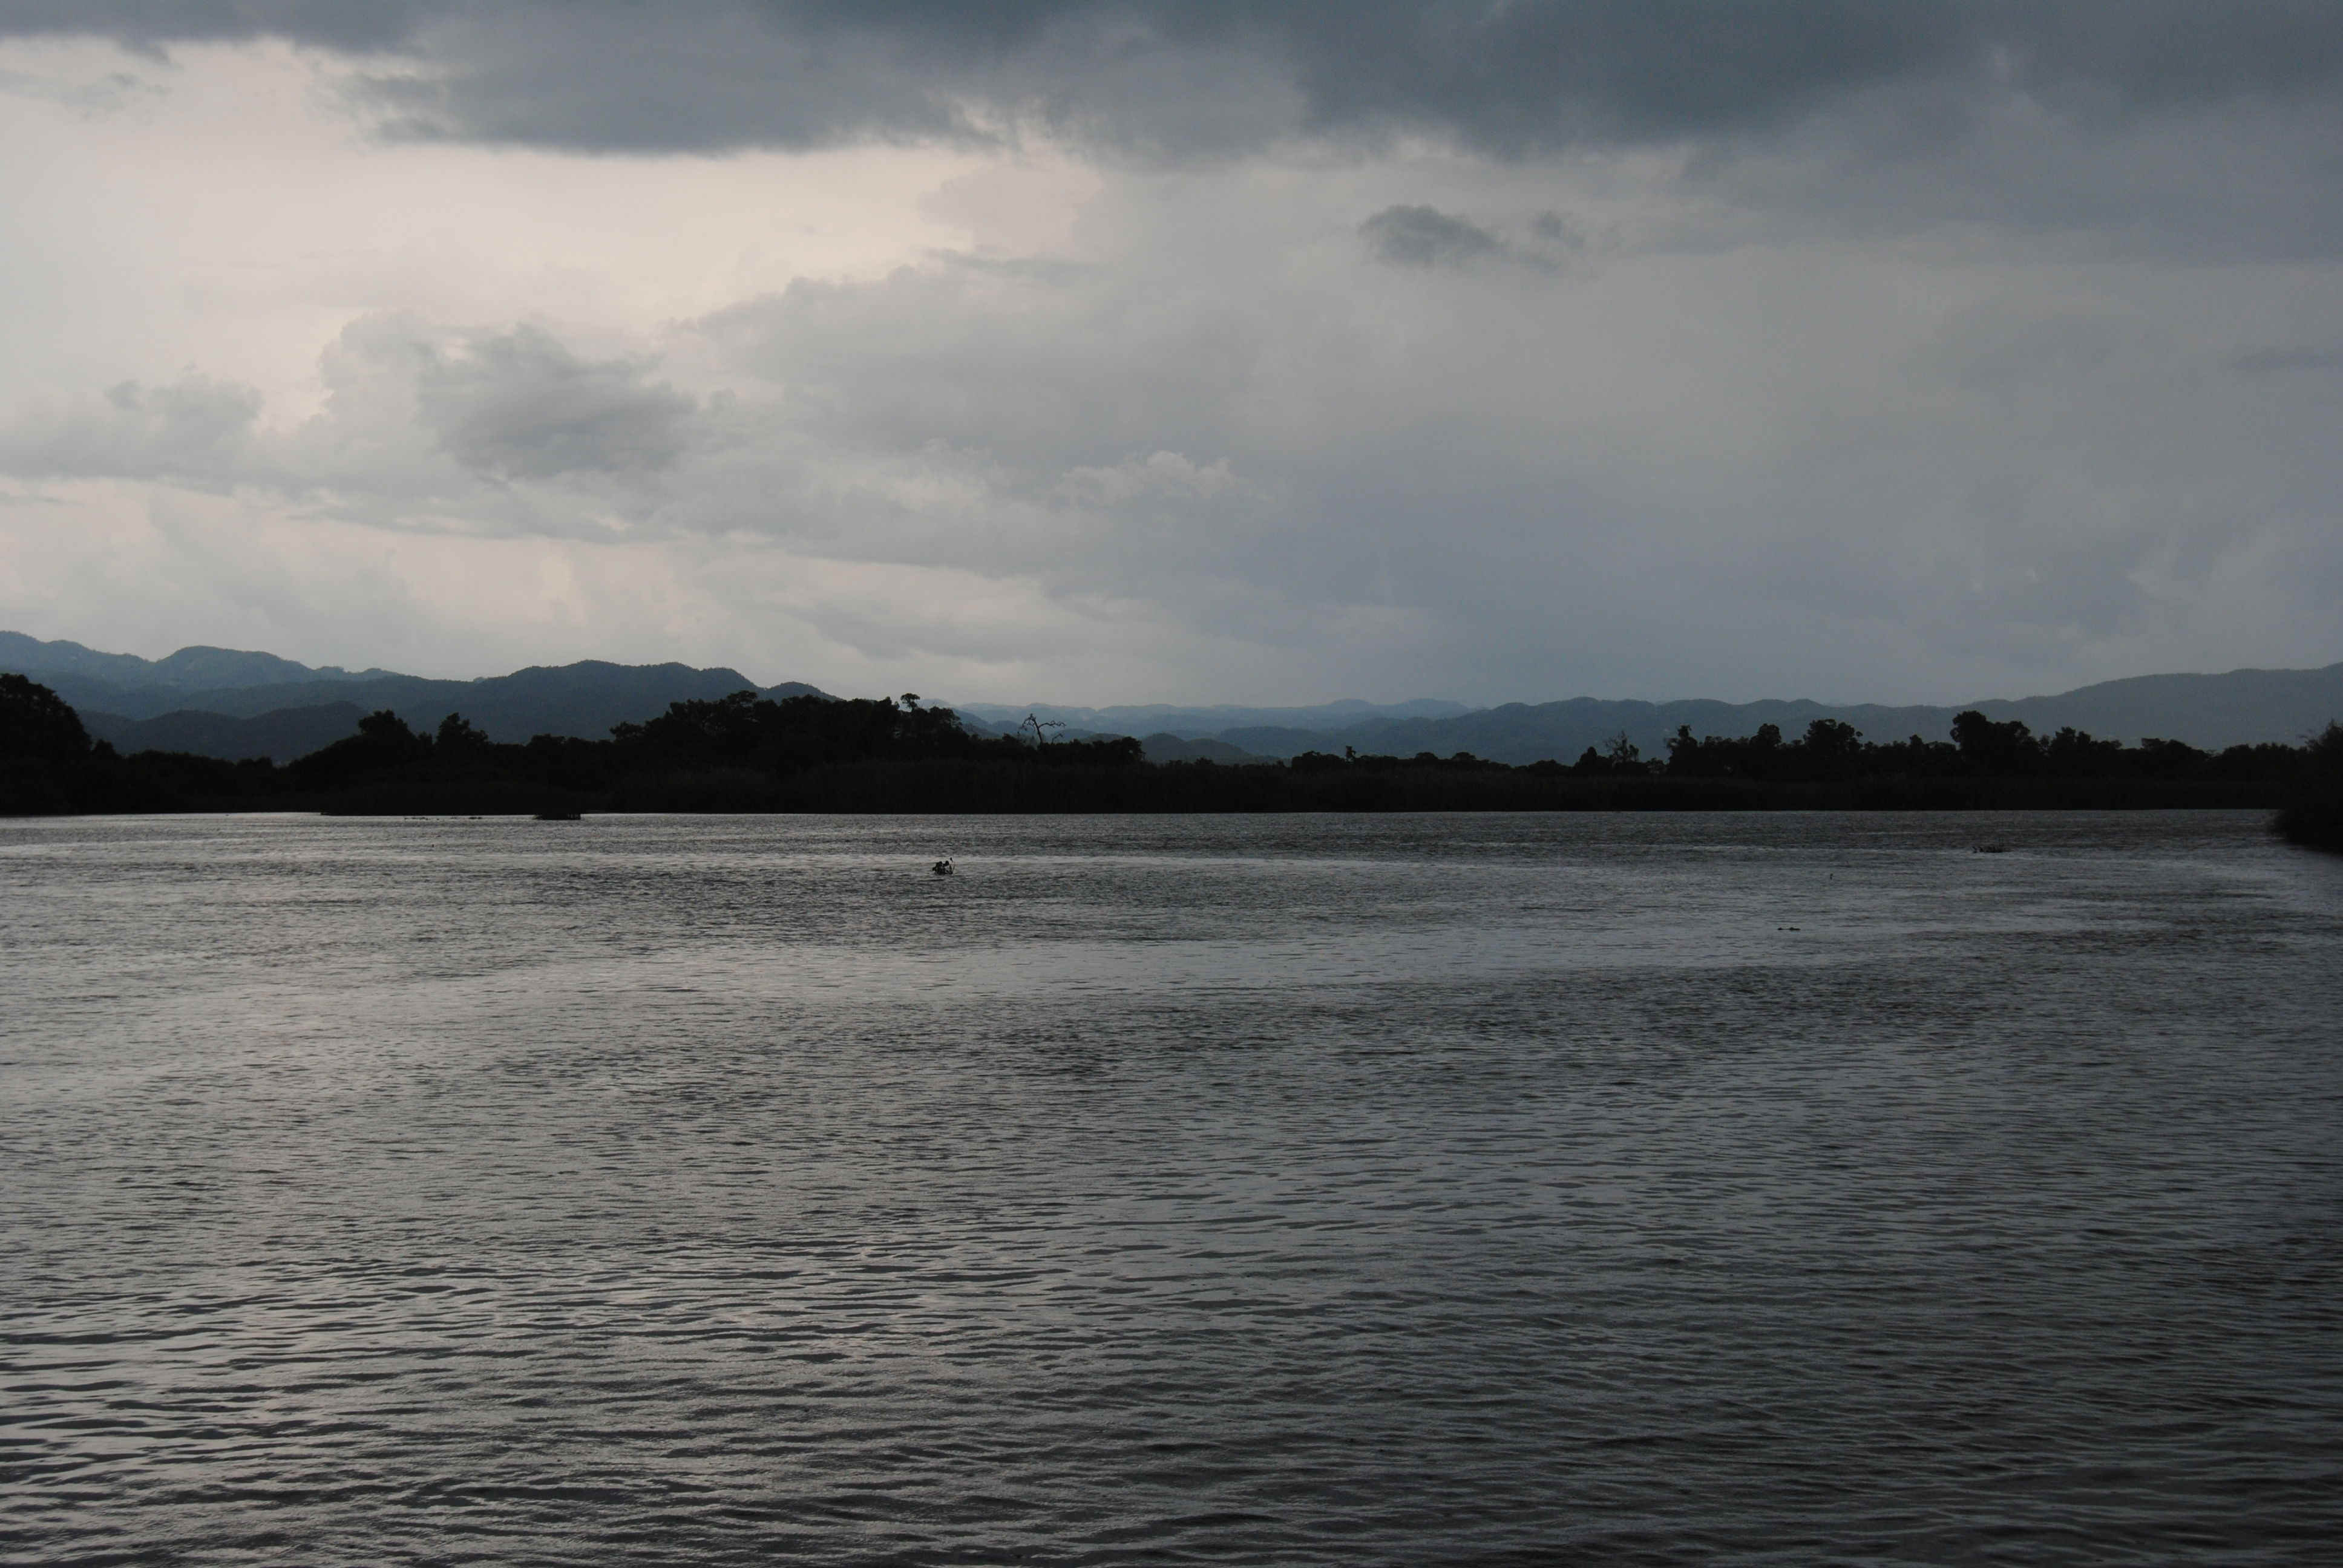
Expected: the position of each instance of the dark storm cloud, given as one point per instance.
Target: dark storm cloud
(1509, 79)
(522, 406)
(1426, 236)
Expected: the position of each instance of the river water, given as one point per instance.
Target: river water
(1606, 1189)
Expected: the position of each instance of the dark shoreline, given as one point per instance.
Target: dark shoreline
(945, 789)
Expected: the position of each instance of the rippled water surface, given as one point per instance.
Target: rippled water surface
(1304, 1189)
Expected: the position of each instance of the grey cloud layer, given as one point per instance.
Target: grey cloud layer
(1497, 480)
(2202, 127)
(1540, 478)
(676, 75)
(1472, 412)
(194, 430)
(419, 425)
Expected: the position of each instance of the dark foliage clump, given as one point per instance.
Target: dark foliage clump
(44, 752)
(798, 733)
(2313, 815)
(384, 745)
(37, 725)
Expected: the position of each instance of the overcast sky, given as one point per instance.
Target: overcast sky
(1097, 353)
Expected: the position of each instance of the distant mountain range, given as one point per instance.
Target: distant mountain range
(1164, 746)
(189, 669)
(271, 706)
(2244, 707)
(222, 702)
(1196, 723)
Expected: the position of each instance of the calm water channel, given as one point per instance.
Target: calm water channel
(1747, 1188)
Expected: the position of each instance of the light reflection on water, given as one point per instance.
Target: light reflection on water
(1343, 1190)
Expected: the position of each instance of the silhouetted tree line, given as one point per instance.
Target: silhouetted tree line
(753, 753)
(1979, 748)
(743, 752)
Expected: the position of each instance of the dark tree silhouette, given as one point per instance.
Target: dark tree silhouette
(1989, 747)
(459, 737)
(37, 724)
